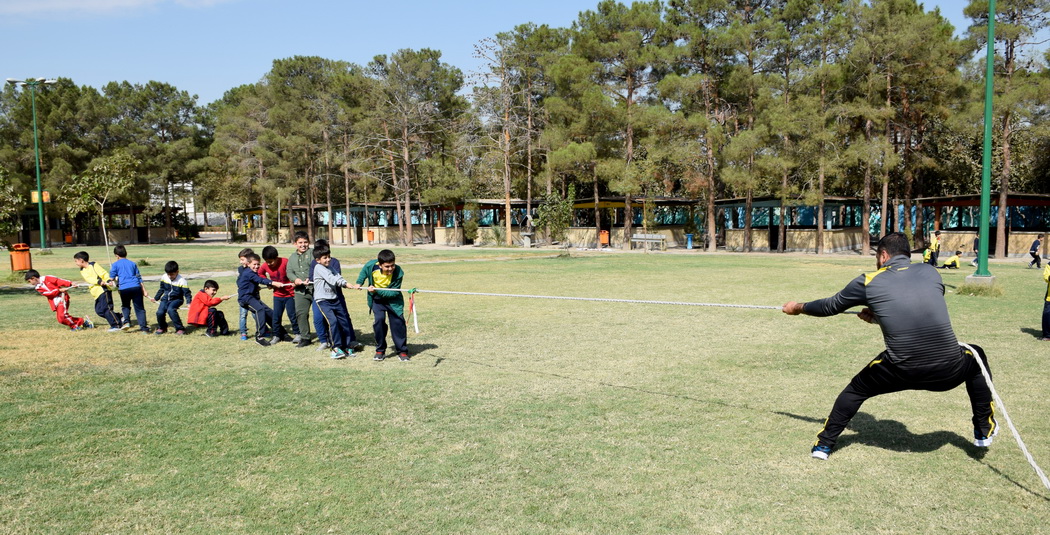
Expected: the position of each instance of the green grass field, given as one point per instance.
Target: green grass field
(518, 415)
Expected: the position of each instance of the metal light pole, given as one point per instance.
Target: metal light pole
(33, 84)
(982, 274)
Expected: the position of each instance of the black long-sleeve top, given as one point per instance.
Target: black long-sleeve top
(908, 302)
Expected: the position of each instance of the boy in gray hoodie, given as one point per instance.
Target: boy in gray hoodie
(333, 311)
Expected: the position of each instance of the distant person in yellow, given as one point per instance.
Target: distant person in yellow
(952, 262)
(1046, 304)
(934, 248)
(100, 284)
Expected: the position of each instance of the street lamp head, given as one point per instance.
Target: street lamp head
(31, 82)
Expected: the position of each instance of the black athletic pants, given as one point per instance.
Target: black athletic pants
(104, 308)
(398, 329)
(882, 377)
(216, 323)
(263, 316)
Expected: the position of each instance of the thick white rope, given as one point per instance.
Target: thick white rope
(566, 298)
(415, 319)
(1009, 422)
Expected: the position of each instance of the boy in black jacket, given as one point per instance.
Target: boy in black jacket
(248, 296)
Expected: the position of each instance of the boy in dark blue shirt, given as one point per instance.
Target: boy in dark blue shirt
(248, 296)
(243, 323)
(1034, 251)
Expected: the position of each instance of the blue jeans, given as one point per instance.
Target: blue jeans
(319, 326)
(244, 321)
(280, 305)
(171, 309)
(132, 297)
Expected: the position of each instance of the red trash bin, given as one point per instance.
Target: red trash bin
(21, 258)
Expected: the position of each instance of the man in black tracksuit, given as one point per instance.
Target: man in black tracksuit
(907, 301)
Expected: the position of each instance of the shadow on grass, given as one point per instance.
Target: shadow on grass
(369, 339)
(894, 436)
(17, 290)
(1016, 483)
(1036, 333)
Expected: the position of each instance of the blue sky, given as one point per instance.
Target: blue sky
(208, 46)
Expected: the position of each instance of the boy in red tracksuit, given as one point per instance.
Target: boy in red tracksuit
(204, 314)
(55, 290)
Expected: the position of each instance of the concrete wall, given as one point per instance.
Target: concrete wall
(798, 240)
(1018, 243)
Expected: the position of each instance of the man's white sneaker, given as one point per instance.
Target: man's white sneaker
(820, 452)
(985, 441)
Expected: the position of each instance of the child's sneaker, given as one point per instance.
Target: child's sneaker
(323, 346)
(403, 357)
(379, 356)
(338, 353)
(820, 452)
(114, 330)
(262, 342)
(355, 346)
(125, 326)
(180, 332)
(88, 324)
(244, 336)
(160, 331)
(275, 340)
(297, 340)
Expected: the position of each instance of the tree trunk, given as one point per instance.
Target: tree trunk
(102, 221)
(528, 152)
(712, 192)
(884, 220)
(310, 200)
(406, 237)
(506, 180)
(328, 190)
(167, 210)
(597, 216)
(1002, 218)
(820, 208)
(348, 239)
(749, 199)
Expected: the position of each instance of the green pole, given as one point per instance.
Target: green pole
(986, 160)
(36, 152)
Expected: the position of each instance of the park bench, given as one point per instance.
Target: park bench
(649, 239)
